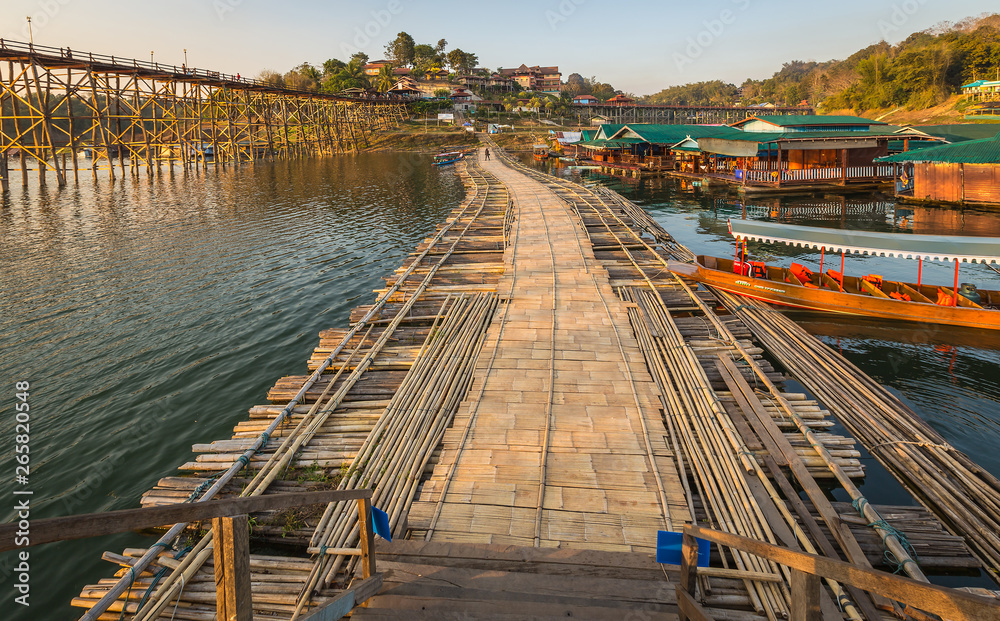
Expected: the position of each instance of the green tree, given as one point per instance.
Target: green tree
(332, 66)
(360, 57)
(385, 79)
(462, 62)
(400, 51)
(441, 92)
(305, 77)
(271, 78)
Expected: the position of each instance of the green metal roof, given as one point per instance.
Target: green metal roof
(986, 151)
(617, 143)
(607, 130)
(960, 132)
(790, 120)
(765, 137)
(587, 134)
(899, 145)
(664, 134)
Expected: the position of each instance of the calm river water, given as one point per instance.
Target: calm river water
(149, 315)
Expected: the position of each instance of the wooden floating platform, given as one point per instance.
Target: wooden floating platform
(532, 397)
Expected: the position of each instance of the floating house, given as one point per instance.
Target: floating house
(762, 152)
(961, 173)
(799, 150)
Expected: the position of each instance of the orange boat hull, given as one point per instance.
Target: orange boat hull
(834, 301)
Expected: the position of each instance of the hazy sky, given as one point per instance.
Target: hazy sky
(637, 45)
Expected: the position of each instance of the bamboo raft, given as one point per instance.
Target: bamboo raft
(712, 437)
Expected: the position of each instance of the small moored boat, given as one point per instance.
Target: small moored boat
(443, 159)
(871, 295)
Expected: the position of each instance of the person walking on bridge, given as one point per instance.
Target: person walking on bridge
(487, 154)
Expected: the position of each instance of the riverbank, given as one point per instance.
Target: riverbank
(420, 137)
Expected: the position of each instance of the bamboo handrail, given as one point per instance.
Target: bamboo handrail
(110, 522)
(951, 604)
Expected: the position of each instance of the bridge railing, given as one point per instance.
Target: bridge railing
(67, 55)
(806, 572)
(873, 171)
(231, 547)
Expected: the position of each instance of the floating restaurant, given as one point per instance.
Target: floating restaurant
(765, 152)
(966, 172)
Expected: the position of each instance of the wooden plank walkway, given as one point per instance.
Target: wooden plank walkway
(530, 400)
(557, 416)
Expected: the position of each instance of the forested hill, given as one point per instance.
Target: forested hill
(920, 72)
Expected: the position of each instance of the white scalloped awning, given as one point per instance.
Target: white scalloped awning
(934, 247)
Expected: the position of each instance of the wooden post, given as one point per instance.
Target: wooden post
(367, 536)
(47, 130)
(805, 596)
(843, 165)
(74, 147)
(4, 174)
(689, 563)
(779, 163)
(954, 301)
(100, 121)
(231, 541)
(841, 271)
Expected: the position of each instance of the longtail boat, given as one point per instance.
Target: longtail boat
(798, 286)
(443, 159)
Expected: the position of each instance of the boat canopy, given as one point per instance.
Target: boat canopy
(934, 247)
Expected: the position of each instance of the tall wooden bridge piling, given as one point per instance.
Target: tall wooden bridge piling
(58, 104)
(532, 396)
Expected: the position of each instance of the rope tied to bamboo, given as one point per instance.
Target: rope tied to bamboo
(859, 505)
(890, 558)
(201, 488)
(163, 571)
(131, 582)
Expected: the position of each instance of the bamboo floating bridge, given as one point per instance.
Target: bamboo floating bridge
(532, 396)
(58, 105)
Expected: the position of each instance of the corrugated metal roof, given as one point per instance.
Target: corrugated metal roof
(617, 143)
(960, 132)
(664, 134)
(764, 137)
(607, 130)
(789, 120)
(986, 151)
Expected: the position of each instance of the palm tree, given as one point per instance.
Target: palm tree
(536, 103)
(353, 76)
(384, 80)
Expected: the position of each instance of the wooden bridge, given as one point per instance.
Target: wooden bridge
(530, 399)
(57, 104)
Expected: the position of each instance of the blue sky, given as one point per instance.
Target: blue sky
(639, 46)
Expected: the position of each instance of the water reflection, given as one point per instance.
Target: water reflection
(150, 314)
